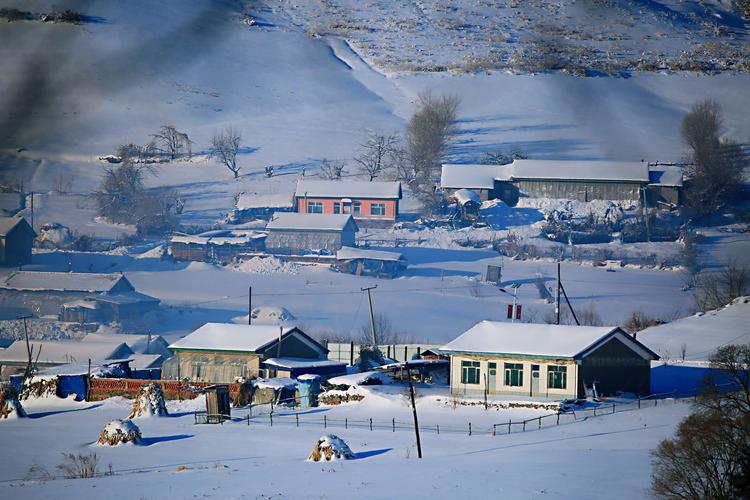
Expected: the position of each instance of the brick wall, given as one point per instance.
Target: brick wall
(103, 388)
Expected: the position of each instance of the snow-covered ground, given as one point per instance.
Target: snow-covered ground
(179, 459)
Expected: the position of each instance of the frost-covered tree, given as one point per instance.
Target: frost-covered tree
(377, 154)
(225, 145)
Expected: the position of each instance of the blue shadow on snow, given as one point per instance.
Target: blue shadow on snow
(43, 414)
(148, 441)
(371, 453)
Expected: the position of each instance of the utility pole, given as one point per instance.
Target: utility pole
(32, 210)
(372, 317)
(27, 373)
(557, 296)
(250, 306)
(414, 410)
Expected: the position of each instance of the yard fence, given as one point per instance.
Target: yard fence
(103, 388)
(348, 352)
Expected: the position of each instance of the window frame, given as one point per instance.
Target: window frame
(513, 374)
(356, 207)
(377, 209)
(311, 207)
(337, 207)
(470, 367)
(557, 375)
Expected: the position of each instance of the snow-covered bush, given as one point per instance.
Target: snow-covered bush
(149, 403)
(10, 406)
(118, 432)
(330, 448)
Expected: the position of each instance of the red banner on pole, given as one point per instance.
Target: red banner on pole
(510, 311)
(518, 311)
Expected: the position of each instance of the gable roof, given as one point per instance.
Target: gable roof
(65, 351)
(8, 223)
(62, 282)
(246, 201)
(348, 189)
(234, 337)
(137, 343)
(347, 253)
(541, 340)
(473, 176)
(310, 222)
(630, 171)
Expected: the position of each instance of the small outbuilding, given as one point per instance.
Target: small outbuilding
(252, 206)
(301, 234)
(362, 262)
(219, 246)
(552, 361)
(468, 204)
(16, 240)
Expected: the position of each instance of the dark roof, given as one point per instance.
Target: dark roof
(8, 223)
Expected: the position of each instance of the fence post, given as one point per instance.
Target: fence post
(494, 429)
(346, 423)
(270, 416)
(437, 426)
(613, 407)
(524, 426)
(325, 422)
(558, 419)
(195, 416)
(594, 410)
(508, 426)
(296, 417)
(248, 419)
(469, 428)
(394, 425)
(656, 402)
(371, 424)
(639, 402)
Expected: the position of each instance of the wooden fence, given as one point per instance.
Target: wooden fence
(103, 388)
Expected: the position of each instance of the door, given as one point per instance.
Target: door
(534, 380)
(491, 377)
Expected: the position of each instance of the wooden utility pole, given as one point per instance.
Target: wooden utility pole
(557, 296)
(88, 382)
(32, 210)
(372, 317)
(250, 306)
(414, 410)
(30, 361)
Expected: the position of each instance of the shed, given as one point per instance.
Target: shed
(16, 240)
(557, 361)
(252, 205)
(220, 246)
(224, 352)
(218, 408)
(299, 234)
(665, 185)
(362, 262)
(468, 204)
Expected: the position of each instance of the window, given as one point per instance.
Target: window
(557, 377)
(514, 374)
(357, 207)
(336, 207)
(377, 209)
(314, 207)
(198, 371)
(469, 372)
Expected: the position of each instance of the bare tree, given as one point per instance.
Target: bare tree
(715, 289)
(638, 321)
(377, 154)
(428, 134)
(503, 157)
(332, 169)
(716, 171)
(225, 145)
(173, 142)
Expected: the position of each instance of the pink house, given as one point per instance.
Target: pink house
(371, 203)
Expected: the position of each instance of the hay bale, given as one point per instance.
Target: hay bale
(329, 448)
(149, 403)
(40, 387)
(245, 394)
(10, 406)
(118, 432)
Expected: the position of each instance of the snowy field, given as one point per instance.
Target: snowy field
(179, 459)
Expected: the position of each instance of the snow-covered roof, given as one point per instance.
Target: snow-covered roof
(99, 368)
(665, 175)
(221, 237)
(473, 176)
(527, 339)
(137, 343)
(61, 282)
(347, 253)
(293, 363)
(309, 222)
(360, 378)
(702, 333)
(631, 171)
(131, 297)
(275, 383)
(65, 351)
(8, 223)
(464, 196)
(231, 337)
(248, 201)
(348, 189)
(146, 361)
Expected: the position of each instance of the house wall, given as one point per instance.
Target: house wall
(665, 194)
(615, 367)
(391, 207)
(217, 367)
(16, 246)
(459, 388)
(297, 242)
(189, 251)
(578, 190)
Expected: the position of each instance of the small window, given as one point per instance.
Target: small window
(492, 368)
(557, 377)
(336, 207)
(198, 371)
(314, 207)
(469, 372)
(514, 374)
(357, 207)
(377, 209)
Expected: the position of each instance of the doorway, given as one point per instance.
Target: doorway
(534, 380)
(491, 377)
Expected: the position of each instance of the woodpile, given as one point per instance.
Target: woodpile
(40, 387)
(118, 432)
(330, 448)
(338, 398)
(10, 406)
(149, 403)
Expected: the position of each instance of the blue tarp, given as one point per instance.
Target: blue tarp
(71, 384)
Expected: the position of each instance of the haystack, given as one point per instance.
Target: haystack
(10, 406)
(149, 403)
(118, 432)
(245, 395)
(329, 448)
